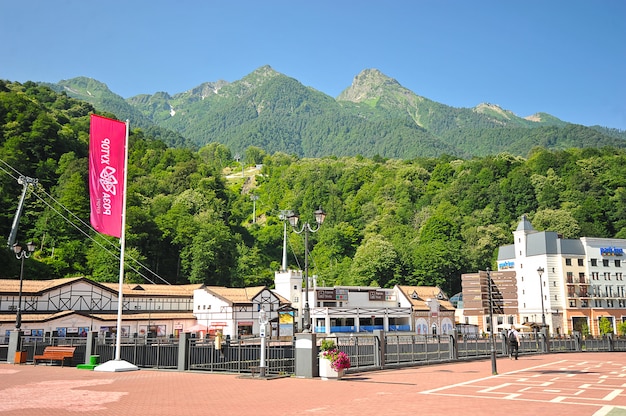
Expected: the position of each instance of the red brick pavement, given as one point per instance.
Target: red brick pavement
(573, 384)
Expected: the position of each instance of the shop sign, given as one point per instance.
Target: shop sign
(376, 295)
(323, 294)
(506, 265)
(611, 251)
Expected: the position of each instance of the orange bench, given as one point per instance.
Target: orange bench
(55, 354)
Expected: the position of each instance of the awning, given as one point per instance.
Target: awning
(196, 328)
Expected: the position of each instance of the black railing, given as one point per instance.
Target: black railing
(366, 351)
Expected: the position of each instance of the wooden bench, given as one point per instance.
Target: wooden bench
(55, 354)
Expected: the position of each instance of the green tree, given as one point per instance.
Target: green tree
(605, 326)
(375, 263)
(558, 220)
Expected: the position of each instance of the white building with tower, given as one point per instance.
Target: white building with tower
(566, 284)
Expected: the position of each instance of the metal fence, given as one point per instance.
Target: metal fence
(386, 350)
(242, 356)
(366, 351)
(147, 353)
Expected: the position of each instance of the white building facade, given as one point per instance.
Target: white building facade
(569, 283)
(235, 312)
(423, 309)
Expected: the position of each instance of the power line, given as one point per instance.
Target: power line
(115, 247)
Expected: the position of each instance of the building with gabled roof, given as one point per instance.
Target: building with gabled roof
(76, 305)
(432, 311)
(236, 311)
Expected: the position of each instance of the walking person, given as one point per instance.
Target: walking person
(218, 342)
(513, 341)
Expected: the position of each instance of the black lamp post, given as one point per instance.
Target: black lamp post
(21, 254)
(320, 215)
(543, 314)
(494, 367)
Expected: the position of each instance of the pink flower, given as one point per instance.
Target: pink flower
(339, 360)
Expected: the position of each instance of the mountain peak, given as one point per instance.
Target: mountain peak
(264, 72)
(373, 75)
(368, 84)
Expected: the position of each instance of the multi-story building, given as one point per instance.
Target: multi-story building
(566, 284)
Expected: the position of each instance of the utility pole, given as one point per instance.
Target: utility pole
(25, 181)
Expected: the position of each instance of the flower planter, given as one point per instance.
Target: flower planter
(327, 372)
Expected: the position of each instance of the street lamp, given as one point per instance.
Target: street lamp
(494, 368)
(320, 215)
(543, 314)
(21, 254)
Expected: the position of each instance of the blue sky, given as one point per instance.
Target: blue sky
(566, 58)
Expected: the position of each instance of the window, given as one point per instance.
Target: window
(594, 262)
(594, 275)
(581, 262)
(605, 262)
(568, 262)
(618, 276)
(609, 303)
(607, 276)
(618, 263)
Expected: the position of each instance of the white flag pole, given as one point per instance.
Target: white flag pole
(118, 364)
(120, 296)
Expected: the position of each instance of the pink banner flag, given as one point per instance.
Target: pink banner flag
(107, 141)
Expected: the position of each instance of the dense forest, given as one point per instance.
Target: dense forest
(190, 218)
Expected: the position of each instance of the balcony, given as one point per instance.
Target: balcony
(580, 294)
(576, 281)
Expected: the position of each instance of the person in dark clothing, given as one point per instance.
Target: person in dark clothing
(513, 341)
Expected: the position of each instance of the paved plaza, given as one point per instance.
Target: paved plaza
(573, 384)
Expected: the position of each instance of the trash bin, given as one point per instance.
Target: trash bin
(94, 359)
(20, 357)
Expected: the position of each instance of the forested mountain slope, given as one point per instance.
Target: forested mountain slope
(375, 116)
